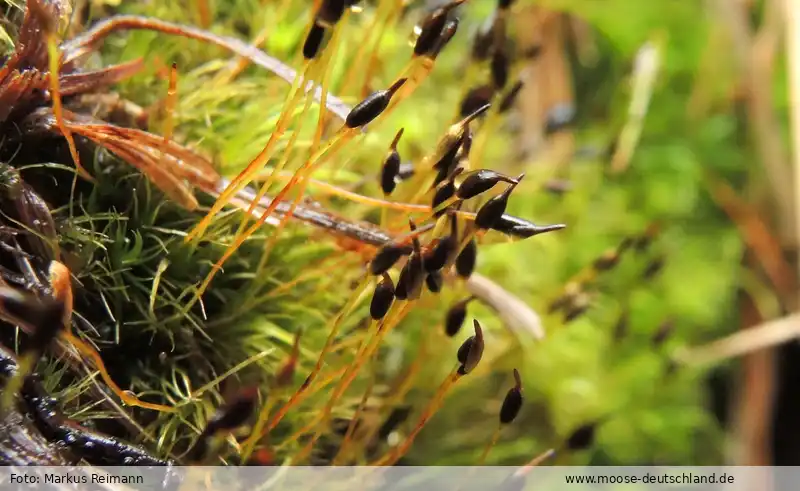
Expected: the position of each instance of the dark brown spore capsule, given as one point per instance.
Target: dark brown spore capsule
(475, 99)
(434, 281)
(372, 107)
(663, 333)
(382, 298)
(510, 98)
(444, 191)
(522, 229)
(560, 117)
(464, 349)
(331, 11)
(440, 254)
(430, 30)
(513, 401)
(411, 277)
(397, 417)
(233, 414)
(313, 43)
(575, 311)
(471, 351)
(391, 166)
(504, 4)
(387, 256)
(499, 68)
(480, 181)
(443, 251)
(653, 268)
(492, 210)
(482, 45)
(456, 315)
(582, 438)
(607, 261)
(389, 173)
(446, 164)
(448, 32)
(466, 260)
(457, 135)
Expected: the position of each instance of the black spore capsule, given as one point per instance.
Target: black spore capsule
(372, 107)
(313, 43)
(607, 261)
(434, 281)
(559, 117)
(397, 417)
(504, 4)
(475, 99)
(443, 251)
(389, 176)
(582, 438)
(391, 166)
(480, 181)
(455, 316)
(386, 257)
(455, 137)
(331, 11)
(446, 164)
(447, 34)
(382, 298)
(466, 260)
(412, 275)
(492, 210)
(499, 68)
(522, 229)
(513, 401)
(444, 192)
(510, 98)
(431, 29)
(471, 351)
(482, 44)
(234, 413)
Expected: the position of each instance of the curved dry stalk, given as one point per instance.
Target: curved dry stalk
(750, 340)
(88, 41)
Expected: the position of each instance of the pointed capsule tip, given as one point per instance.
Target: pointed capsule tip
(396, 86)
(478, 330)
(396, 139)
(517, 380)
(476, 113)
